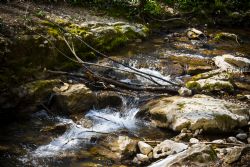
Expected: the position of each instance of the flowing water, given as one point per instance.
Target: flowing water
(28, 145)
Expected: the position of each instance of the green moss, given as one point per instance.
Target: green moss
(219, 86)
(37, 87)
(225, 122)
(193, 85)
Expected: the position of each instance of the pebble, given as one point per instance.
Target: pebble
(144, 147)
(241, 136)
(142, 157)
(194, 140)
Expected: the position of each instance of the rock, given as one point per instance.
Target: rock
(248, 140)
(184, 91)
(219, 141)
(73, 99)
(197, 112)
(194, 140)
(193, 33)
(33, 93)
(142, 157)
(241, 62)
(196, 155)
(241, 136)
(168, 147)
(233, 155)
(194, 69)
(191, 60)
(144, 148)
(232, 139)
(84, 122)
(150, 155)
(116, 148)
(136, 161)
(210, 85)
(58, 129)
(223, 65)
(109, 99)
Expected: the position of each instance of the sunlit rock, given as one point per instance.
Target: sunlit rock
(197, 112)
(196, 155)
(168, 147)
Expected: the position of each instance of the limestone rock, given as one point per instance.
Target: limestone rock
(209, 85)
(116, 147)
(109, 99)
(232, 139)
(241, 62)
(197, 112)
(194, 140)
(168, 147)
(144, 148)
(197, 155)
(76, 98)
(241, 136)
(142, 157)
(184, 91)
(233, 155)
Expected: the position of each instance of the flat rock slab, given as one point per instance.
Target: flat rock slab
(197, 112)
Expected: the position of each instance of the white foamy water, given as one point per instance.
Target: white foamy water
(104, 121)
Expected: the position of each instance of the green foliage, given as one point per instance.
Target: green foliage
(152, 7)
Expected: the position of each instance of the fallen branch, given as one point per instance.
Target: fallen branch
(93, 77)
(103, 55)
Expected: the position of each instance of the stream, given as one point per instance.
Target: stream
(73, 145)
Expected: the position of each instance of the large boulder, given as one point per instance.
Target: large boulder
(197, 112)
(73, 98)
(196, 155)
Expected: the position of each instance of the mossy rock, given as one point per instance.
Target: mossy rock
(210, 85)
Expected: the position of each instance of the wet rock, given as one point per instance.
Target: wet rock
(142, 157)
(196, 155)
(184, 92)
(109, 99)
(168, 147)
(84, 122)
(194, 140)
(233, 155)
(197, 112)
(248, 140)
(241, 136)
(58, 129)
(144, 148)
(73, 99)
